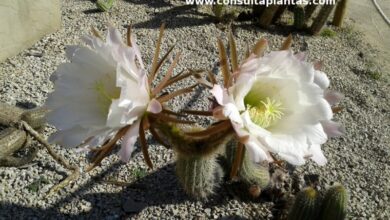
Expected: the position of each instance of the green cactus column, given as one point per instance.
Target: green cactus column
(321, 19)
(199, 175)
(340, 12)
(299, 16)
(306, 205)
(250, 173)
(334, 205)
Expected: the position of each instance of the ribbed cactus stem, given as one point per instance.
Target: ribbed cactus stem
(198, 175)
(340, 12)
(267, 15)
(299, 16)
(249, 172)
(306, 205)
(321, 19)
(105, 5)
(334, 205)
(189, 145)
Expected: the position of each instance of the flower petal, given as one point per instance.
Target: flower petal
(128, 142)
(321, 79)
(220, 94)
(332, 129)
(317, 155)
(333, 97)
(256, 151)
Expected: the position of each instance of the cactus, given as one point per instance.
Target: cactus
(334, 205)
(198, 175)
(309, 10)
(306, 205)
(195, 146)
(196, 165)
(339, 14)
(267, 15)
(218, 10)
(250, 173)
(321, 19)
(279, 12)
(105, 5)
(299, 16)
(36, 118)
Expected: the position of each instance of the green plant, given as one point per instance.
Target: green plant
(375, 75)
(309, 205)
(334, 204)
(306, 205)
(105, 5)
(198, 175)
(340, 12)
(321, 19)
(196, 165)
(218, 10)
(249, 173)
(327, 32)
(37, 184)
(299, 16)
(139, 173)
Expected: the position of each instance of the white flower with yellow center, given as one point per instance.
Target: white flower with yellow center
(279, 103)
(104, 88)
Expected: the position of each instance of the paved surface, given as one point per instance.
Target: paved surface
(377, 32)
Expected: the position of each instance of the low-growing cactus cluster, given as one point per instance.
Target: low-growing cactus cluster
(310, 17)
(310, 205)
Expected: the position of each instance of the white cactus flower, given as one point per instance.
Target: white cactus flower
(279, 103)
(104, 88)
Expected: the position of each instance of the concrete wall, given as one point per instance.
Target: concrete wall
(24, 22)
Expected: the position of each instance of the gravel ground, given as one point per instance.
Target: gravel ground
(359, 159)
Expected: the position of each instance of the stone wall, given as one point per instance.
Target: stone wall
(24, 22)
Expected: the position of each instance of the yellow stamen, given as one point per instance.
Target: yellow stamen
(266, 113)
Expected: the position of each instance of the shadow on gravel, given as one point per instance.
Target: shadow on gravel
(175, 17)
(157, 189)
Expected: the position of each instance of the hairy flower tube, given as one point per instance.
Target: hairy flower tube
(279, 103)
(105, 93)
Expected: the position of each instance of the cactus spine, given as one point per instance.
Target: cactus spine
(299, 16)
(334, 205)
(198, 175)
(306, 205)
(321, 19)
(105, 5)
(340, 12)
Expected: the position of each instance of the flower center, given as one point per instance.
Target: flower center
(266, 113)
(107, 91)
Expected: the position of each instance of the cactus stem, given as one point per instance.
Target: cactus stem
(238, 158)
(340, 12)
